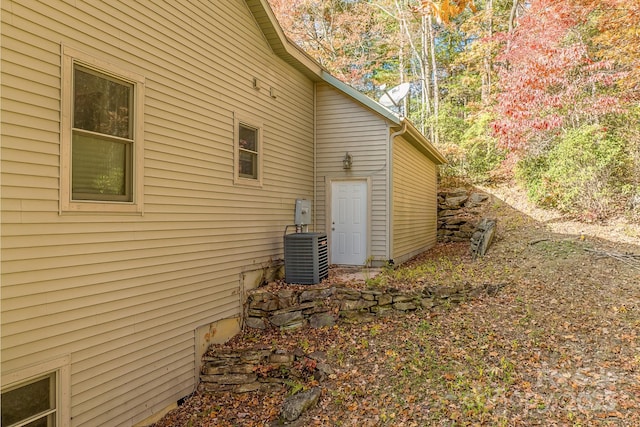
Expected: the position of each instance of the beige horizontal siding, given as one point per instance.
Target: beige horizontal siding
(414, 201)
(344, 125)
(80, 323)
(122, 294)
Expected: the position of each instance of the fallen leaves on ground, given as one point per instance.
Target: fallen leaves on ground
(557, 344)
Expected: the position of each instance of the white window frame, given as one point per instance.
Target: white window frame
(258, 126)
(61, 368)
(71, 57)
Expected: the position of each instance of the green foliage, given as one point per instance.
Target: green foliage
(583, 171)
(482, 152)
(376, 282)
(451, 124)
(295, 386)
(470, 148)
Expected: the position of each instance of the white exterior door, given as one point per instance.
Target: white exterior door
(349, 222)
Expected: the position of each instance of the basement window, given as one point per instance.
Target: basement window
(33, 404)
(37, 395)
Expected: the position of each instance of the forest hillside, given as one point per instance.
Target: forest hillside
(543, 91)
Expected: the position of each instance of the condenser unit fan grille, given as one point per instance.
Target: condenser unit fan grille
(306, 258)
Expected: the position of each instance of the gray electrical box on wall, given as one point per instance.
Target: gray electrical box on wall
(303, 212)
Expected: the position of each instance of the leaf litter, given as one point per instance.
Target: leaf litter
(557, 343)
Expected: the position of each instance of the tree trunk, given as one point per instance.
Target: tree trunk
(424, 78)
(513, 14)
(485, 94)
(402, 108)
(434, 76)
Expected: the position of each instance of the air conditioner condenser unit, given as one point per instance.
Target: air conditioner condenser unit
(306, 258)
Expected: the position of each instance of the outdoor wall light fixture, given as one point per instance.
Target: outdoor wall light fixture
(347, 161)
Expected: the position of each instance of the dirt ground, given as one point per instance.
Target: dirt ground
(555, 340)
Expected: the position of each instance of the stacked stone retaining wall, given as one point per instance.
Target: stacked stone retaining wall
(322, 305)
(458, 214)
(259, 367)
(243, 370)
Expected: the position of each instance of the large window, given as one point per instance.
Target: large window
(102, 137)
(248, 153)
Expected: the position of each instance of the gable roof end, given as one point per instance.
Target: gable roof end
(281, 45)
(303, 62)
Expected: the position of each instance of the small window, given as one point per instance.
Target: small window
(33, 404)
(102, 136)
(248, 152)
(248, 148)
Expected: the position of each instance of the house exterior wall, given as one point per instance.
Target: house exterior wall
(120, 295)
(414, 201)
(343, 125)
